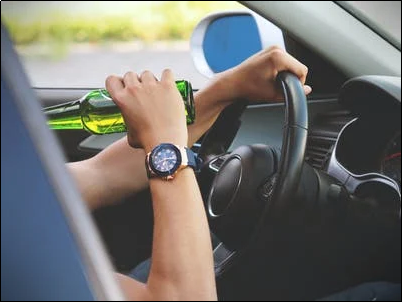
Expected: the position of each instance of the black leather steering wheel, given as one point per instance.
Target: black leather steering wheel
(256, 183)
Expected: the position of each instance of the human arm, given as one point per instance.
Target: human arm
(109, 176)
(182, 263)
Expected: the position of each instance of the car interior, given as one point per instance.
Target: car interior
(302, 196)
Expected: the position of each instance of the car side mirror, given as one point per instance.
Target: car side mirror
(223, 40)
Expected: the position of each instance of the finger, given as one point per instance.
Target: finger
(281, 60)
(167, 76)
(294, 66)
(307, 89)
(148, 77)
(114, 85)
(131, 79)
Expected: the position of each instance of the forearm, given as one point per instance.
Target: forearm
(113, 174)
(209, 103)
(118, 171)
(182, 262)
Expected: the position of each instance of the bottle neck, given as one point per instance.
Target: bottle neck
(65, 116)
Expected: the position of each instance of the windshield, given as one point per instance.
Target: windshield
(382, 16)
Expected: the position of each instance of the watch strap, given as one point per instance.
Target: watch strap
(193, 160)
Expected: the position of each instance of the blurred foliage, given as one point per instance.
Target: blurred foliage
(152, 21)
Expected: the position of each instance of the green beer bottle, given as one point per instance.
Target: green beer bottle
(98, 114)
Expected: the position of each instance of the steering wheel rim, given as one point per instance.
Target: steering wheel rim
(294, 141)
(275, 190)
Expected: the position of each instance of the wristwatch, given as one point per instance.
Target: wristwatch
(165, 160)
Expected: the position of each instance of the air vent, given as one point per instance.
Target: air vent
(319, 150)
(323, 135)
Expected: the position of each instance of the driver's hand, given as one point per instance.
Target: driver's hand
(254, 79)
(152, 110)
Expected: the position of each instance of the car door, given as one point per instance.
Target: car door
(43, 255)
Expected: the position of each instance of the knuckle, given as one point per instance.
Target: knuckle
(146, 73)
(275, 47)
(128, 74)
(148, 77)
(169, 83)
(110, 79)
(276, 55)
(132, 88)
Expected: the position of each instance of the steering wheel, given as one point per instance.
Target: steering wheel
(255, 183)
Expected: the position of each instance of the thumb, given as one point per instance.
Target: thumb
(307, 89)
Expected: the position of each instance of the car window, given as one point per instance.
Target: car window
(77, 44)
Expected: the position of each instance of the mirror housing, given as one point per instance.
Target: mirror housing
(225, 39)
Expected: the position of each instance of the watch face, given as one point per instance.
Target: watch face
(165, 159)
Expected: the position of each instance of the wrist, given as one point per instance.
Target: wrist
(226, 85)
(152, 142)
(166, 159)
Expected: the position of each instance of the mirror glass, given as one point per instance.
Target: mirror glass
(230, 40)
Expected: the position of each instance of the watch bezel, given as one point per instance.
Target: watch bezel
(165, 146)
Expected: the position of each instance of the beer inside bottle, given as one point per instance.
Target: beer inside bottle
(98, 114)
